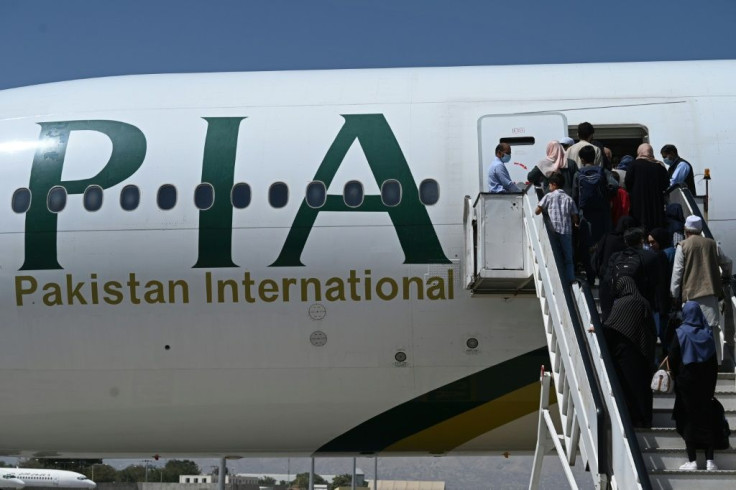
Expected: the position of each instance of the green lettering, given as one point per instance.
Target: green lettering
(128, 151)
(218, 169)
(410, 219)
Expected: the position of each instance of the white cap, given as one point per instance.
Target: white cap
(567, 141)
(694, 224)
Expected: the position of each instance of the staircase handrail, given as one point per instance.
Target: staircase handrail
(630, 470)
(586, 397)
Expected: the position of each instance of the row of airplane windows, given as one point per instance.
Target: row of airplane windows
(240, 196)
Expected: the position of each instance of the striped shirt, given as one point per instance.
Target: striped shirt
(560, 207)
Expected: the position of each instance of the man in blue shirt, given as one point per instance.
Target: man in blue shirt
(499, 180)
(680, 171)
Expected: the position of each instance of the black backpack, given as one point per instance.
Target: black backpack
(628, 262)
(592, 187)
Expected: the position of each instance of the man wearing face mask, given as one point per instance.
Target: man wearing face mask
(499, 180)
(680, 171)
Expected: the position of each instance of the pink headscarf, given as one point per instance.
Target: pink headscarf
(555, 159)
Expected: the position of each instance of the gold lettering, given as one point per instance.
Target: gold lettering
(20, 290)
(268, 286)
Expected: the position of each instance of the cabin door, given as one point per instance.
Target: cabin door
(528, 135)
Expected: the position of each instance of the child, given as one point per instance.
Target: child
(562, 213)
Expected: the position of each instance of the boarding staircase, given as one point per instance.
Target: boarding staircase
(594, 422)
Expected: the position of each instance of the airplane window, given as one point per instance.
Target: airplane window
(56, 200)
(391, 193)
(278, 194)
(316, 194)
(93, 198)
(429, 192)
(204, 196)
(166, 197)
(240, 195)
(21, 200)
(352, 194)
(130, 197)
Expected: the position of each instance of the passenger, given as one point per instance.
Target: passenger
(630, 337)
(608, 154)
(605, 157)
(696, 276)
(499, 180)
(610, 244)
(660, 242)
(622, 167)
(675, 222)
(566, 142)
(692, 359)
(591, 192)
(647, 182)
(679, 170)
(562, 214)
(555, 161)
(620, 204)
(642, 265)
(585, 134)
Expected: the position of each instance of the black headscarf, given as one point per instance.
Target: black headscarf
(632, 317)
(675, 218)
(663, 237)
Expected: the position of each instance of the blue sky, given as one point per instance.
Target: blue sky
(43, 41)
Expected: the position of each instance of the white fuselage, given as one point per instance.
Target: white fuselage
(29, 477)
(268, 330)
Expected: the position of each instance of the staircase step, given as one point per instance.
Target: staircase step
(671, 459)
(687, 480)
(662, 417)
(726, 382)
(726, 397)
(666, 438)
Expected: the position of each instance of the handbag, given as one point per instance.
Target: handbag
(662, 381)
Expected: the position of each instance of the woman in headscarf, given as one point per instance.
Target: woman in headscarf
(555, 161)
(675, 219)
(610, 244)
(646, 181)
(692, 360)
(630, 335)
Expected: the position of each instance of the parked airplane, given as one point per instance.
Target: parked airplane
(269, 263)
(28, 477)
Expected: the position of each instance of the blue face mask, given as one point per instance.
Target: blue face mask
(668, 161)
(506, 158)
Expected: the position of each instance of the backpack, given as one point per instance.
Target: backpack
(628, 263)
(592, 187)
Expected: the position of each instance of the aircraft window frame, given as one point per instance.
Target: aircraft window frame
(54, 190)
(422, 196)
(345, 193)
(401, 192)
(130, 187)
(84, 197)
(272, 189)
(166, 187)
(205, 185)
(316, 183)
(25, 191)
(241, 185)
